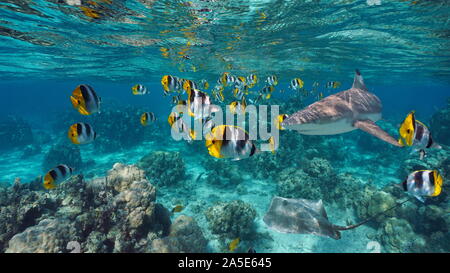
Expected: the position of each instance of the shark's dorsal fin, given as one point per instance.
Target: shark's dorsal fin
(358, 81)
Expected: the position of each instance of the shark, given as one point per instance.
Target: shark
(345, 111)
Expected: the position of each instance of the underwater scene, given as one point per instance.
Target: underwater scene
(258, 126)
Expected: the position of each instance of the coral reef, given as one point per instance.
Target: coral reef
(221, 172)
(14, 132)
(231, 219)
(116, 213)
(185, 237)
(316, 180)
(397, 235)
(164, 168)
(412, 227)
(440, 125)
(62, 153)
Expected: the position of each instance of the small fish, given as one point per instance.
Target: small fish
(147, 117)
(176, 99)
(296, 84)
(267, 92)
(204, 84)
(272, 80)
(199, 104)
(238, 93)
(226, 141)
(170, 84)
(333, 85)
(81, 133)
(218, 94)
(315, 86)
(177, 123)
(252, 79)
(226, 79)
(233, 244)
(240, 82)
(85, 100)
(238, 107)
(320, 96)
(425, 183)
(189, 85)
(177, 208)
(415, 134)
(57, 175)
(139, 89)
(279, 120)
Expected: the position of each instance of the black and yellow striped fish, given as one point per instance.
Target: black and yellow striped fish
(57, 175)
(85, 100)
(178, 125)
(189, 85)
(147, 117)
(238, 107)
(170, 84)
(272, 80)
(416, 134)
(267, 92)
(139, 89)
(279, 120)
(333, 85)
(226, 141)
(424, 183)
(252, 79)
(296, 84)
(81, 133)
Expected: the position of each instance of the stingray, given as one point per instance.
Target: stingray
(304, 216)
(348, 110)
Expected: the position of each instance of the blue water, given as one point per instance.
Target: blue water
(47, 48)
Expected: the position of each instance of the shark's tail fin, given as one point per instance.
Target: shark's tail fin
(358, 81)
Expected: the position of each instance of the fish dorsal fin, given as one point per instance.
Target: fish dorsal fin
(358, 81)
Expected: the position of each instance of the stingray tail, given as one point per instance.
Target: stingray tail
(372, 217)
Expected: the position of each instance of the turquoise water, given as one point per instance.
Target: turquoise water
(402, 49)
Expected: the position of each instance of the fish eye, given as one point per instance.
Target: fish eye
(408, 131)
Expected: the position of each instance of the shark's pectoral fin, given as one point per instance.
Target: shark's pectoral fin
(370, 127)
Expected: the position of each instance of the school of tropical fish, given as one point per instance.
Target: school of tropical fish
(224, 126)
(232, 142)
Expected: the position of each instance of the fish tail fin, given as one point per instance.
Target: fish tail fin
(358, 81)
